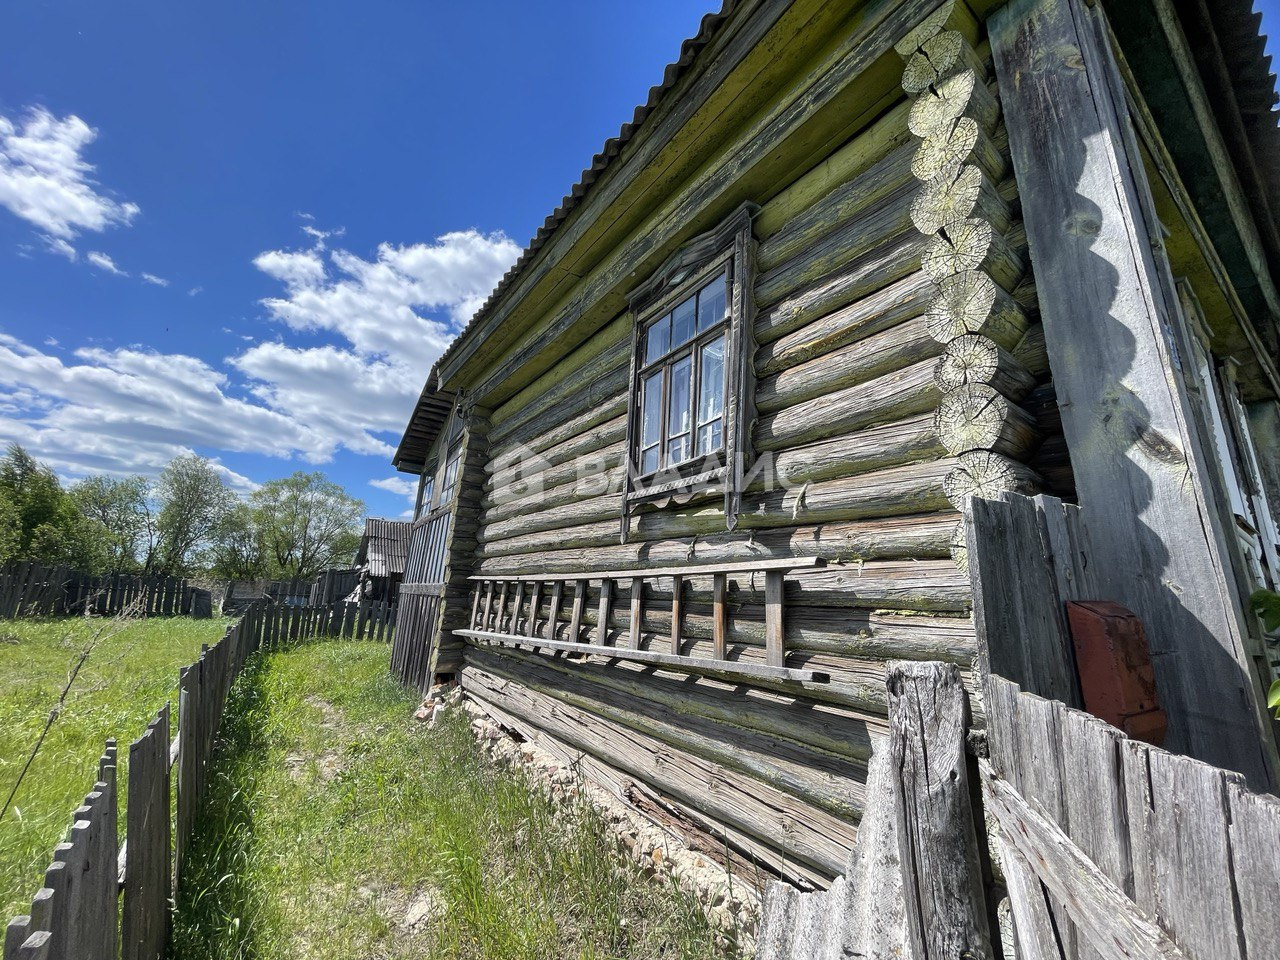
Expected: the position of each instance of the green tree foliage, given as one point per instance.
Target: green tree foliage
(193, 502)
(188, 521)
(120, 505)
(239, 551)
(10, 527)
(307, 524)
(47, 525)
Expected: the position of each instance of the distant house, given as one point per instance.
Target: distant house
(384, 549)
(702, 465)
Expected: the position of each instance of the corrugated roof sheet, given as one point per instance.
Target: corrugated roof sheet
(1244, 50)
(384, 548)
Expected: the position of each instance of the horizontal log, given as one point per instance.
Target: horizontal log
(689, 570)
(746, 856)
(912, 488)
(975, 359)
(603, 350)
(875, 448)
(852, 199)
(844, 244)
(836, 729)
(1031, 351)
(509, 462)
(588, 476)
(848, 162)
(823, 642)
(894, 396)
(765, 812)
(976, 417)
(922, 536)
(572, 430)
(891, 260)
(856, 363)
(594, 396)
(731, 670)
(882, 309)
(824, 780)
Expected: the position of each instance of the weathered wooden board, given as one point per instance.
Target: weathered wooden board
(1139, 471)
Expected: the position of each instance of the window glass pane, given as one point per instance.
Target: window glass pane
(679, 410)
(711, 303)
(682, 322)
(657, 339)
(651, 410)
(649, 458)
(710, 436)
(711, 390)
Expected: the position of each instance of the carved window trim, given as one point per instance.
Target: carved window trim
(729, 247)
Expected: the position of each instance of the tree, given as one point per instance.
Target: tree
(308, 524)
(238, 551)
(119, 505)
(193, 501)
(45, 524)
(10, 527)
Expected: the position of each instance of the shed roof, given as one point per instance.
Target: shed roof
(384, 548)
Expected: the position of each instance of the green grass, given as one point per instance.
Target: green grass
(332, 811)
(130, 674)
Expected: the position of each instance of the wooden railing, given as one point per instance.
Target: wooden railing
(508, 610)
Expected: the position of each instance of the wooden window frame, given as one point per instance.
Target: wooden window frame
(696, 463)
(729, 248)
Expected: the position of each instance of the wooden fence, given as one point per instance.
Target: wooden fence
(30, 589)
(100, 902)
(1113, 848)
(1101, 846)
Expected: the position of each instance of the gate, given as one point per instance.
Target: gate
(421, 596)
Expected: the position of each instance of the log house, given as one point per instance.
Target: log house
(698, 468)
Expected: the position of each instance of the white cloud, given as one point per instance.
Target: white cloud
(194, 291)
(151, 278)
(399, 485)
(127, 410)
(396, 313)
(107, 409)
(104, 262)
(45, 180)
(61, 247)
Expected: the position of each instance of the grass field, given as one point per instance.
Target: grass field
(126, 679)
(340, 827)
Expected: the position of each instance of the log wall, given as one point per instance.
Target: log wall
(899, 370)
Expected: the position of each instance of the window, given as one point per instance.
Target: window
(682, 381)
(449, 482)
(691, 385)
(427, 485)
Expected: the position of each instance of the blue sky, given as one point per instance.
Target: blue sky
(247, 228)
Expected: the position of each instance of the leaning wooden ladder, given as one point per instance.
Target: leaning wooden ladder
(505, 610)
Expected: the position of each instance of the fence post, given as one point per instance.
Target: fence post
(937, 841)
